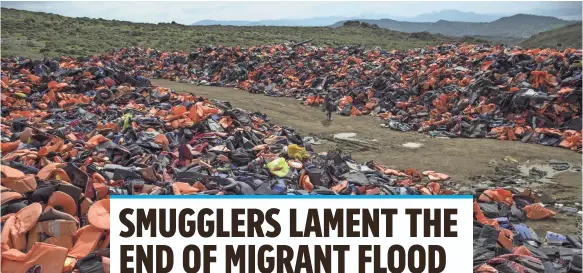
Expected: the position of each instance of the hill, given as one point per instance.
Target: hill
(564, 37)
(36, 34)
(516, 26)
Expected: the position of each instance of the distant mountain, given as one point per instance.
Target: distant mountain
(432, 17)
(227, 23)
(519, 26)
(448, 15)
(523, 25)
(563, 37)
(308, 22)
(452, 15)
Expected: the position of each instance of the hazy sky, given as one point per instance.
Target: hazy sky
(190, 12)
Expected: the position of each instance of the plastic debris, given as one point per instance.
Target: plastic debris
(462, 90)
(86, 130)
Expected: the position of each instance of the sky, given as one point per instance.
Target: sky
(190, 12)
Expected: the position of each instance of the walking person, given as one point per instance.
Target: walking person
(329, 105)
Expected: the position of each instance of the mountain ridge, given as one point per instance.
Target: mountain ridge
(428, 17)
(449, 14)
(516, 26)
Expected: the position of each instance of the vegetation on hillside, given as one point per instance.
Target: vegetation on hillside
(37, 34)
(565, 37)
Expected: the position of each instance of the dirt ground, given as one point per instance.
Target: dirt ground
(463, 159)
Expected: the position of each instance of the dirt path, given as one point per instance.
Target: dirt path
(461, 158)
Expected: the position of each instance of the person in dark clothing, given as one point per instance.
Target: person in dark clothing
(329, 105)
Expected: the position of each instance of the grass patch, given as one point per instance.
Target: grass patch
(561, 38)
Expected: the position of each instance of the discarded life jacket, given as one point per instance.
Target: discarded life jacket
(93, 263)
(54, 227)
(49, 258)
(512, 263)
(12, 201)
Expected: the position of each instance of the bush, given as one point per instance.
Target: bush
(351, 23)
